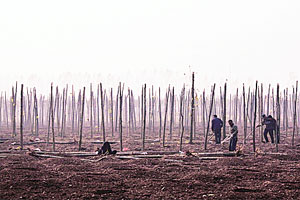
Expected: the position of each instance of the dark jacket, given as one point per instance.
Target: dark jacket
(234, 131)
(273, 124)
(217, 124)
(270, 123)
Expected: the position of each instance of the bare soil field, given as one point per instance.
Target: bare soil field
(261, 175)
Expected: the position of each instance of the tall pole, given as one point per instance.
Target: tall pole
(254, 117)
(277, 130)
(244, 114)
(224, 111)
(165, 120)
(210, 110)
(102, 113)
(295, 114)
(112, 112)
(21, 118)
(52, 118)
(81, 119)
(181, 117)
(192, 110)
(120, 117)
(144, 118)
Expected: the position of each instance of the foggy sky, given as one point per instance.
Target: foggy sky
(153, 42)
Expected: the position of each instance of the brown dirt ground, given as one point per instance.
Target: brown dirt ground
(252, 176)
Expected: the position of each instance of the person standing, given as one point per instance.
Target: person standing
(269, 122)
(275, 128)
(217, 124)
(233, 136)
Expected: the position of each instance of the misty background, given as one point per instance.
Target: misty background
(155, 42)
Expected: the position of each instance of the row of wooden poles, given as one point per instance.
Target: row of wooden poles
(192, 110)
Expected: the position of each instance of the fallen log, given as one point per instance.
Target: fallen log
(4, 139)
(126, 157)
(9, 154)
(139, 156)
(101, 142)
(152, 141)
(216, 154)
(67, 154)
(102, 158)
(3, 156)
(43, 142)
(269, 153)
(45, 155)
(209, 158)
(5, 151)
(148, 156)
(147, 153)
(172, 160)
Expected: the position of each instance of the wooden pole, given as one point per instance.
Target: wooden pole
(204, 112)
(144, 118)
(172, 112)
(57, 99)
(254, 116)
(73, 110)
(192, 109)
(261, 109)
(286, 112)
(224, 111)
(102, 113)
(112, 112)
(81, 119)
(159, 110)
(52, 117)
(142, 112)
(236, 106)
(129, 113)
(36, 116)
(268, 100)
(295, 114)
(117, 107)
(244, 114)
(91, 109)
(49, 120)
(165, 120)
(133, 111)
(120, 119)
(277, 130)
(210, 110)
(65, 112)
(21, 118)
(153, 100)
(6, 110)
(181, 116)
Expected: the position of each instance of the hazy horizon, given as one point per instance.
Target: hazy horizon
(153, 42)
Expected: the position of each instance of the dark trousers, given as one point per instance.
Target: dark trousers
(232, 144)
(270, 131)
(217, 136)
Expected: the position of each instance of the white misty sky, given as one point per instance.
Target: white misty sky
(149, 41)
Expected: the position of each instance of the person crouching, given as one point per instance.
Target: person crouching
(106, 149)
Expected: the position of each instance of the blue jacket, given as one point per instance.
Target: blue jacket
(217, 124)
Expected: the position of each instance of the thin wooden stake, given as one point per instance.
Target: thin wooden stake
(21, 118)
(210, 110)
(254, 117)
(81, 119)
(295, 114)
